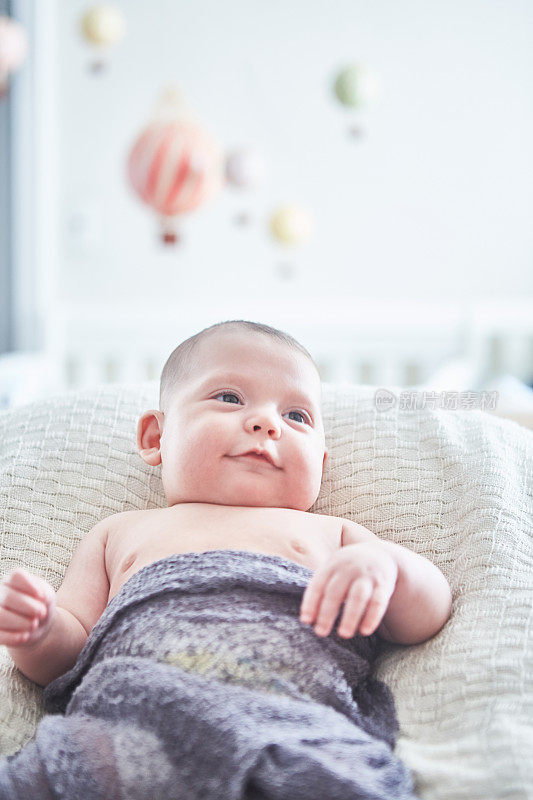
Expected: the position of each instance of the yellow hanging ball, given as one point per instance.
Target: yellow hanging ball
(291, 224)
(103, 25)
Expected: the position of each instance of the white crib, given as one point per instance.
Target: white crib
(385, 345)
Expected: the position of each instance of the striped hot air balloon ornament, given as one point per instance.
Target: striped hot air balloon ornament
(175, 167)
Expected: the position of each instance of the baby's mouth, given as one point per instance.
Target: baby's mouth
(262, 458)
(255, 456)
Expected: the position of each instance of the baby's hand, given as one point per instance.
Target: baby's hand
(27, 605)
(363, 577)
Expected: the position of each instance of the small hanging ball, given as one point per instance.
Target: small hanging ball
(356, 86)
(243, 218)
(291, 224)
(356, 132)
(245, 168)
(286, 272)
(103, 25)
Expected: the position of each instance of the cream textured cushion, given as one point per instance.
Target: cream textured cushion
(455, 486)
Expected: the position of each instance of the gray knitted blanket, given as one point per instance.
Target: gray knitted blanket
(199, 682)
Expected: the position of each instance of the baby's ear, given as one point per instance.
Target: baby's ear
(149, 430)
(324, 460)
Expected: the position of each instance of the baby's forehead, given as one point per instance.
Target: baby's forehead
(234, 365)
(256, 359)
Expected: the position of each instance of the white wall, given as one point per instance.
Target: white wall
(436, 201)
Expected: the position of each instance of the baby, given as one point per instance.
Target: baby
(240, 439)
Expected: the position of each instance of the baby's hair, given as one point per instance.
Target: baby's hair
(180, 362)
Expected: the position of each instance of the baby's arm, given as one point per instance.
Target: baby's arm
(384, 588)
(79, 603)
(422, 600)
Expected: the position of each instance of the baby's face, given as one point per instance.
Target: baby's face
(246, 392)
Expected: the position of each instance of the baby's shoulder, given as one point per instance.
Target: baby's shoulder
(118, 520)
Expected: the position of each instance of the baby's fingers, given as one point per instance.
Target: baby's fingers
(375, 611)
(356, 602)
(367, 618)
(25, 582)
(25, 601)
(14, 638)
(13, 622)
(312, 596)
(330, 602)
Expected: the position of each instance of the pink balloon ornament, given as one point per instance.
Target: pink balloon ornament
(13, 49)
(174, 167)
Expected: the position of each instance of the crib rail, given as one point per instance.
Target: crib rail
(365, 347)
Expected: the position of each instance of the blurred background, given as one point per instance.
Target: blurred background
(358, 174)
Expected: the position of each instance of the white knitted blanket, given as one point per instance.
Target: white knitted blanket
(455, 486)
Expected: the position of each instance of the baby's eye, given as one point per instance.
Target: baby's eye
(226, 394)
(304, 418)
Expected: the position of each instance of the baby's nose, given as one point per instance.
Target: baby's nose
(271, 430)
(265, 420)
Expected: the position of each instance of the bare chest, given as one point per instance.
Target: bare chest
(146, 536)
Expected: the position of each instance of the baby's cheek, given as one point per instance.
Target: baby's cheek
(303, 482)
(203, 449)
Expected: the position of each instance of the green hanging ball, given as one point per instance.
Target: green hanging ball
(355, 86)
